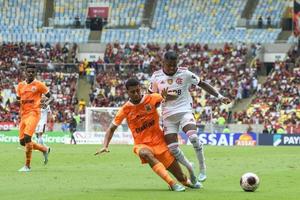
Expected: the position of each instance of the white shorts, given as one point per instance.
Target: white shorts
(40, 128)
(174, 123)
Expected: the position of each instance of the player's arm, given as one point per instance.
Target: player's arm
(211, 90)
(110, 131)
(49, 100)
(108, 135)
(18, 100)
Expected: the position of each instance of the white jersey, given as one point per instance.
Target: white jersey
(179, 83)
(44, 115)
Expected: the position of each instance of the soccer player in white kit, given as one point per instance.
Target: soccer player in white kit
(177, 112)
(40, 129)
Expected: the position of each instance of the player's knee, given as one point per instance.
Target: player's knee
(27, 139)
(192, 135)
(174, 149)
(22, 142)
(145, 154)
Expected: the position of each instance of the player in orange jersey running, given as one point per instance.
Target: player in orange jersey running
(29, 93)
(149, 144)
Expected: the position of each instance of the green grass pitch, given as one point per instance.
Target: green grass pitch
(75, 173)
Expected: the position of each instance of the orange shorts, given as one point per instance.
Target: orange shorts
(159, 151)
(28, 124)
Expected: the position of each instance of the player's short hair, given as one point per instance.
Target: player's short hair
(30, 67)
(170, 55)
(131, 82)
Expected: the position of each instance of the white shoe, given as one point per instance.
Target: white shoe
(202, 177)
(177, 188)
(25, 169)
(196, 185)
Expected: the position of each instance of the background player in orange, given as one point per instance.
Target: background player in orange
(29, 93)
(149, 144)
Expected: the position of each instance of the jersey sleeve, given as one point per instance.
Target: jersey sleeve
(157, 98)
(192, 78)
(153, 87)
(43, 88)
(119, 117)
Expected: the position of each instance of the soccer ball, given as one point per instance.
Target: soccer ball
(249, 182)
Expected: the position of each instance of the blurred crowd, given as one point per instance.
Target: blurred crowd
(224, 68)
(274, 104)
(63, 86)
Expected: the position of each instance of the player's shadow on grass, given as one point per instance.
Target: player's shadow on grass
(135, 189)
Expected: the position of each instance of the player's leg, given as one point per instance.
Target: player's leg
(39, 132)
(171, 129)
(176, 170)
(29, 130)
(191, 130)
(147, 156)
(26, 168)
(73, 138)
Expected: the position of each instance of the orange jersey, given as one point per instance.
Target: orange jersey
(30, 96)
(143, 120)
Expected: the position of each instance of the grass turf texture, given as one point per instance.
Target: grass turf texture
(75, 173)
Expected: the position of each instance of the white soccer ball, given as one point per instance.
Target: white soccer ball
(249, 182)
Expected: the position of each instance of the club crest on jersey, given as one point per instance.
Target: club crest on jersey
(33, 89)
(170, 81)
(148, 107)
(179, 81)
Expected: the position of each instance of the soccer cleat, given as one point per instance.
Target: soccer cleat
(202, 177)
(46, 155)
(177, 188)
(196, 185)
(25, 169)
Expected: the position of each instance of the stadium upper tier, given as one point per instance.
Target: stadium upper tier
(194, 21)
(123, 12)
(269, 8)
(22, 20)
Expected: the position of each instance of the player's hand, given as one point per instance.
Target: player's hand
(168, 95)
(164, 93)
(103, 150)
(225, 100)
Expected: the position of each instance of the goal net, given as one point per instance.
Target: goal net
(98, 120)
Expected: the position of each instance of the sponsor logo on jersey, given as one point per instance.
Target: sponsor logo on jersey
(179, 81)
(170, 81)
(148, 107)
(33, 89)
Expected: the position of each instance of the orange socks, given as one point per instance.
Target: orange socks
(28, 153)
(39, 147)
(161, 171)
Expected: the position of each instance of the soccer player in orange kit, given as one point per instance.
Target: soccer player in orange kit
(149, 144)
(29, 94)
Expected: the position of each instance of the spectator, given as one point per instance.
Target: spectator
(260, 22)
(269, 21)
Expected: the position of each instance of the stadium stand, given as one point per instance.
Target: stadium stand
(62, 85)
(269, 8)
(123, 13)
(210, 64)
(22, 21)
(205, 23)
